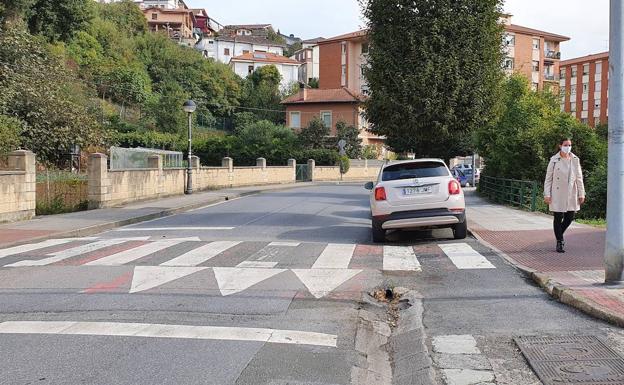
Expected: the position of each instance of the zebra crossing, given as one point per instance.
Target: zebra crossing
(234, 266)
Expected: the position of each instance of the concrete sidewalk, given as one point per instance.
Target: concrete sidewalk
(89, 222)
(526, 240)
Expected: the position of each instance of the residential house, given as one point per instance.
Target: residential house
(533, 53)
(584, 88)
(258, 30)
(309, 57)
(246, 63)
(342, 59)
(178, 24)
(205, 26)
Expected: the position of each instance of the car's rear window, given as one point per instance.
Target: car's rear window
(414, 170)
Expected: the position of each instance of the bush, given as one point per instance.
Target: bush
(150, 139)
(10, 130)
(370, 152)
(322, 157)
(345, 164)
(596, 191)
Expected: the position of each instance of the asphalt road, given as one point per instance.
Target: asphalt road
(266, 289)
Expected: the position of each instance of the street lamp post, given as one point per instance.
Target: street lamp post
(614, 248)
(189, 108)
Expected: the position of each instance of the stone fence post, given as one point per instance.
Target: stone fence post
(99, 182)
(228, 163)
(261, 162)
(292, 163)
(20, 204)
(195, 162)
(311, 167)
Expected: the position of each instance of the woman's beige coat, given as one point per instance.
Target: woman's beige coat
(565, 188)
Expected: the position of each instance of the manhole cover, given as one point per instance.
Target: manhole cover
(577, 360)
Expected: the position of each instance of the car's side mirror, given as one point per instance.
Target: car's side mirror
(369, 185)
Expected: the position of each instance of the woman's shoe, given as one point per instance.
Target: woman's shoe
(560, 245)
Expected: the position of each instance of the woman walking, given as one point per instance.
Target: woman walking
(564, 190)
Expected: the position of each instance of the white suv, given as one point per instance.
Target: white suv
(417, 193)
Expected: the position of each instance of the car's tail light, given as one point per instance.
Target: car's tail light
(380, 194)
(454, 187)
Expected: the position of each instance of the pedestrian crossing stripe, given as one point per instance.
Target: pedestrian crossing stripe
(332, 256)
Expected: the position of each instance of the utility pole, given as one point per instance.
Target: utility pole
(614, 248)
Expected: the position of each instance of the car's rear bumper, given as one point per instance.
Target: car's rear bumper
(420, 218)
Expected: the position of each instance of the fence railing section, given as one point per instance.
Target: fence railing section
(510, 191)
(61, 192)
(133, 158)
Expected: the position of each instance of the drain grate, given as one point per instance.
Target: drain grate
(574, 360)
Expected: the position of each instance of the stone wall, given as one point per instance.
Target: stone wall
(18, 187)
(325, 173)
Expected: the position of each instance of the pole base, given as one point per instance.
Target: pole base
(614, 284)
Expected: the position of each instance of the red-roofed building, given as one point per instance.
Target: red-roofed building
(584, 85)
(245, 64)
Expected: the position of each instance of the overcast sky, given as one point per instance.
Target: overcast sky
(585, 22)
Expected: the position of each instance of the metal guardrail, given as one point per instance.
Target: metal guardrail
(510, 191)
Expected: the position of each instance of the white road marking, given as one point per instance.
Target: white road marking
(258, 264)
(455, 344)
(321, 282)
(33, 246)
(169, 331)
(175, 228)
(232, 280)
(127, 256)
(201, 254)
(284, 244)
(400, 258)
(69, 253)
(149, 277)
(465, 257)
(335, 256)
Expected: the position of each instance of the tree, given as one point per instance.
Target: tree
(261, 93)
(434, 71)
(10, 131)
(59, 20)
(351, 135)
(126, 14)
(13, 10)
(314, 135)
(166, 108)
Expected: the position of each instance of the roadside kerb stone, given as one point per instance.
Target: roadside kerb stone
(370, 341)
(411, 363)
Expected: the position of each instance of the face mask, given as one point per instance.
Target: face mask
(566, 149)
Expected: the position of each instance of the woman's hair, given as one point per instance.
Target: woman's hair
(565, 139)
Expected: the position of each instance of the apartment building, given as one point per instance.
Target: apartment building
(310, 59)
(533, 53)
(342, 59)
(584, 88)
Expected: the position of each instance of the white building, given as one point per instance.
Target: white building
(224, 48)
(245, 64)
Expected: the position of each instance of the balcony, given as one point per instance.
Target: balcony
(551, 77)
(554, 55)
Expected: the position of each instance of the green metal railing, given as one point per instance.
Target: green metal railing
(514, 192)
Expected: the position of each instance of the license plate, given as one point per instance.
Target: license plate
(417, 190)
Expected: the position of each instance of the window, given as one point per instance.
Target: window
(596, 122)
(599, 67)
(510, 40)
(343, 78)
(573, 71)
(295, 119)
(597, 104)
(245, 51)
(573, 106)
(344, 48)
(584, 120)
(326, 118)
(309, 54)
(562, 92)
(414, 170)
(509, 63)
(226, 51)
(562, 73)
(210, 41)
(250, 69)
(534, 86)
(598, 86)
(536, 43)
(535, 66)
(364, 48)
(585, 105)
(585, 88)
(572, 89)
(585, 69)
(154, 16)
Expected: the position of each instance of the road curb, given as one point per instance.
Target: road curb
(561, 293)
(90, 230)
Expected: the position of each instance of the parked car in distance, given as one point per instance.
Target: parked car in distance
(460, 176)
(415, 194)
(466, 169)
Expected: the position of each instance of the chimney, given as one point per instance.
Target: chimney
(303, 91)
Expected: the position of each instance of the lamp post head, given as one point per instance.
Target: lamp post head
(189, 106)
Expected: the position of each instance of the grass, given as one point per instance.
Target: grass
(593, 222)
